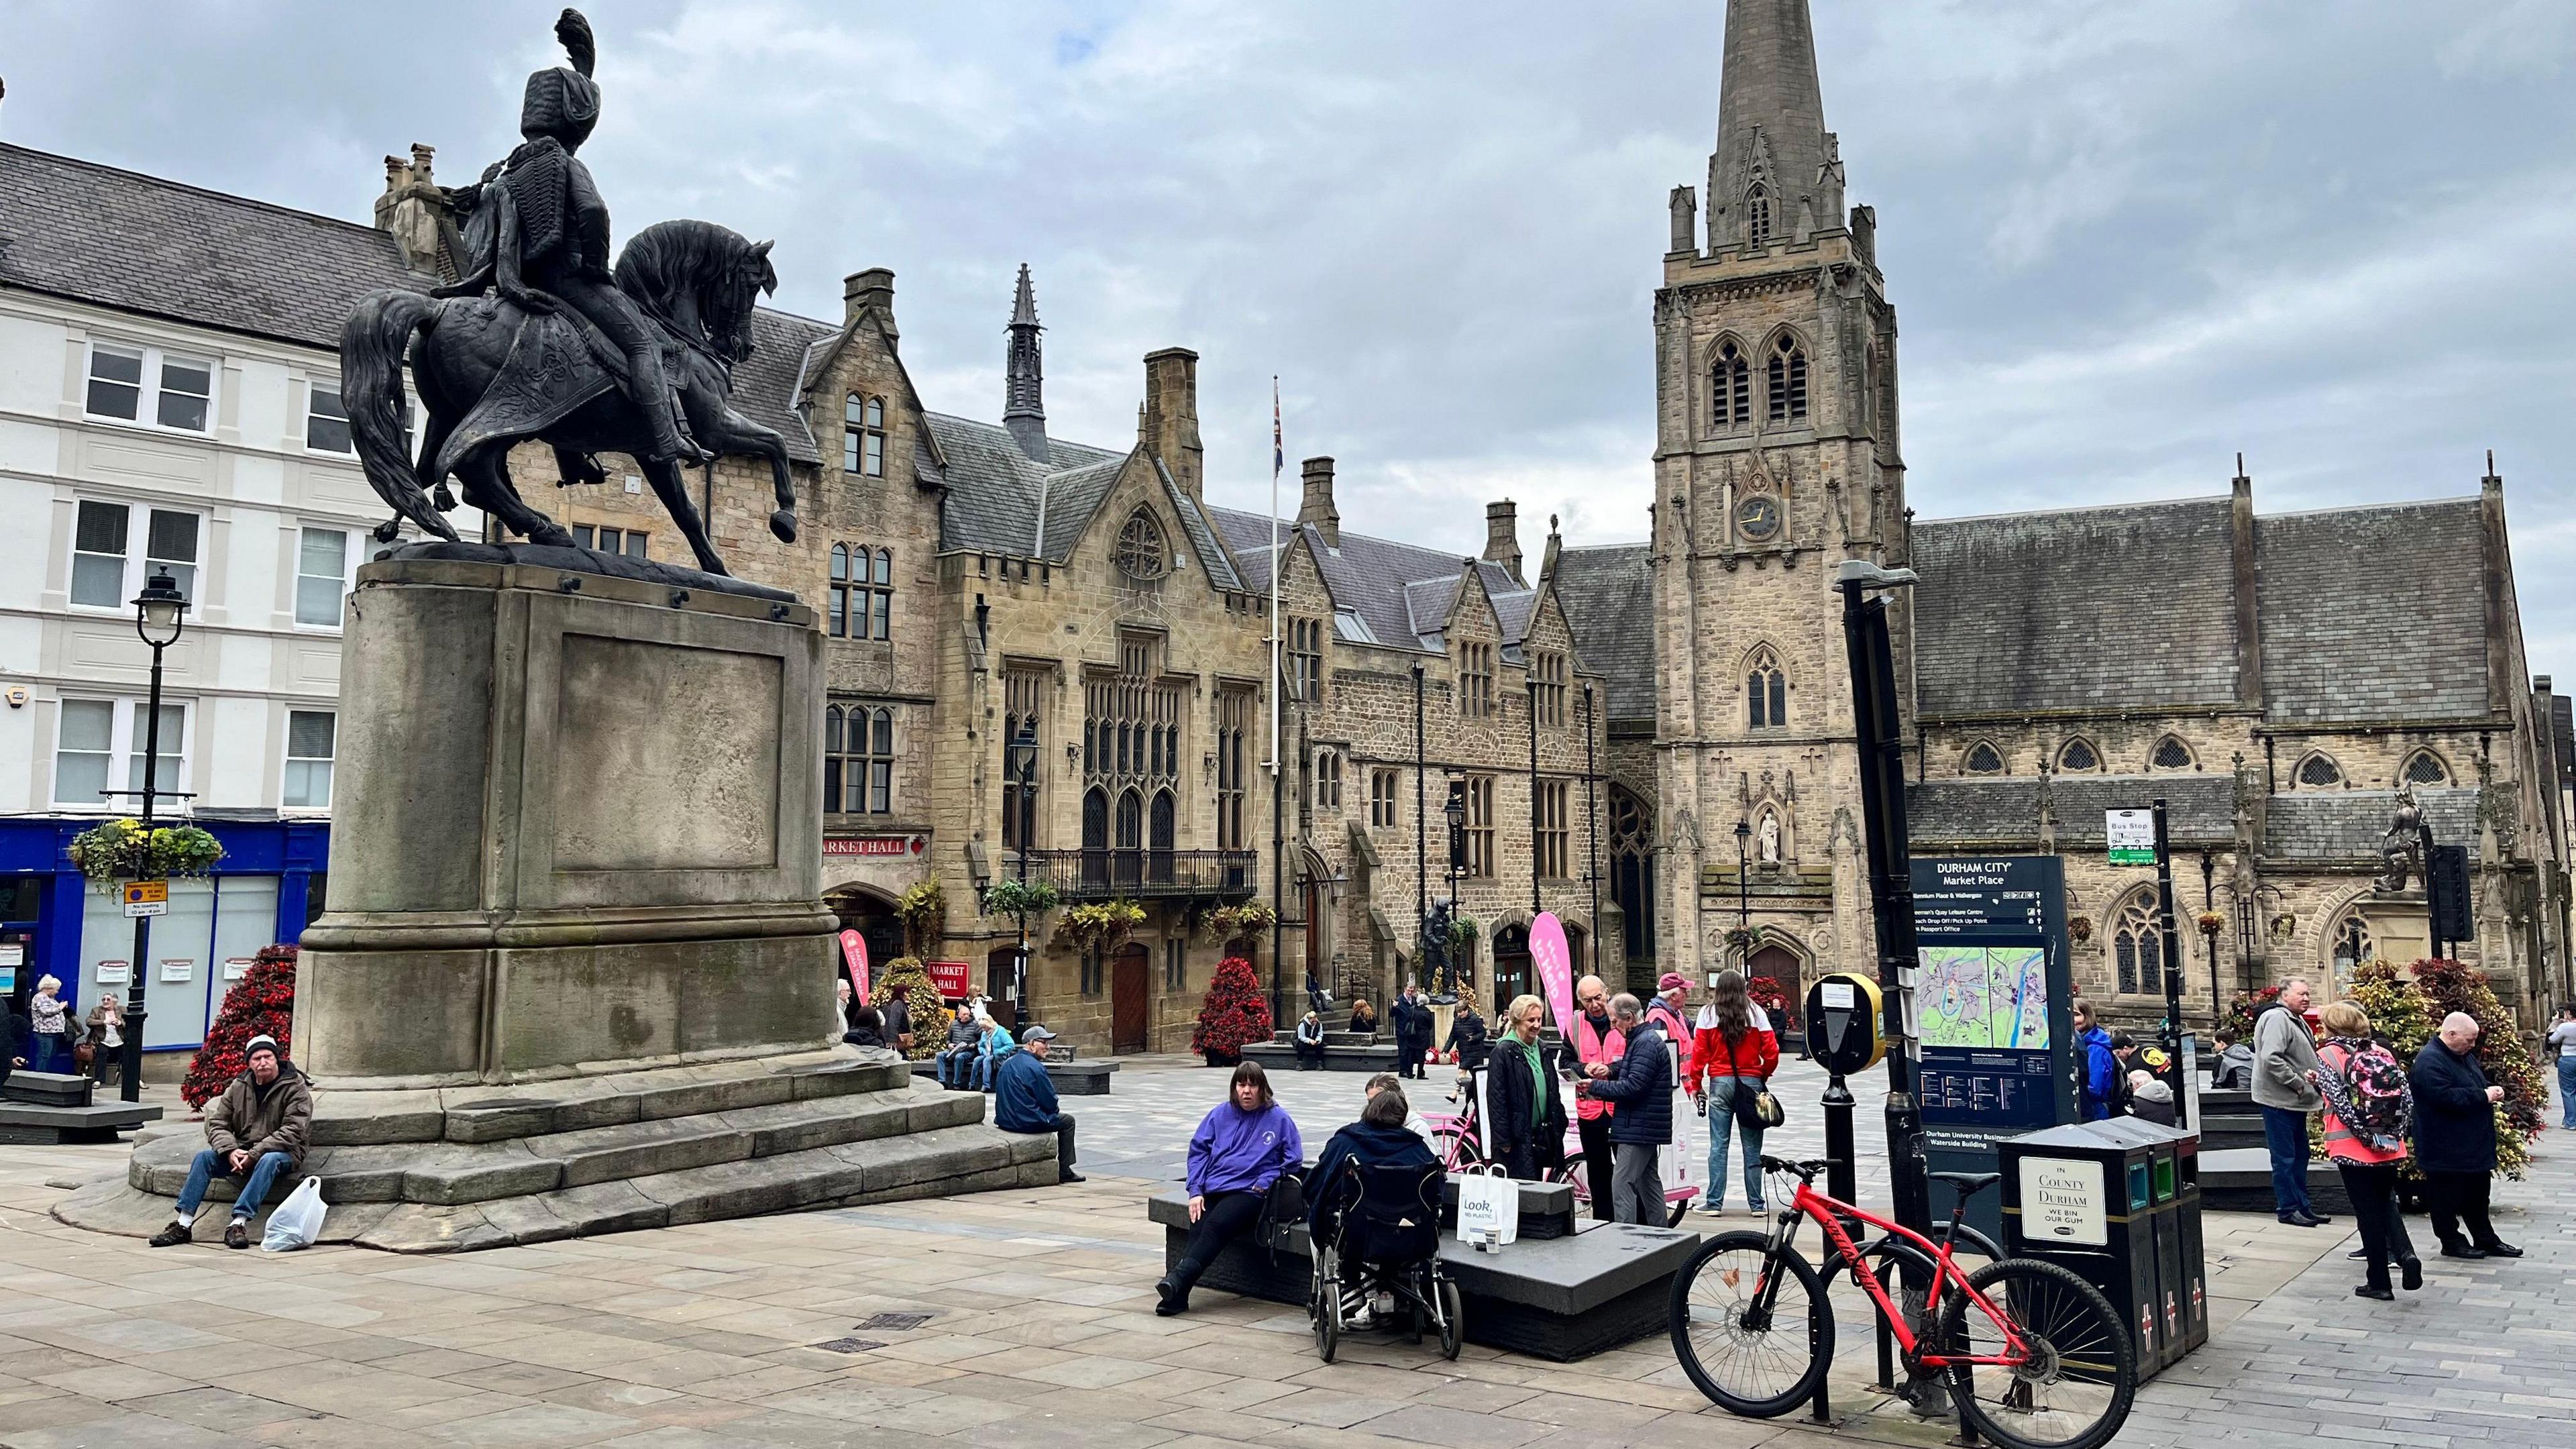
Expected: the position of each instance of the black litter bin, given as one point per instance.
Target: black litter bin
(2118, 1203)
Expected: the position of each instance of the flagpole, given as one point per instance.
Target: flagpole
(1278, 803)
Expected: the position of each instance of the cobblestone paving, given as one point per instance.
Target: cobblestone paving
(1040, 1330)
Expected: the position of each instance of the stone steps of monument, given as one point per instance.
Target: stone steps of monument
(938, 1162)
(450, 1173)
(48, 1089)
(500, 1113)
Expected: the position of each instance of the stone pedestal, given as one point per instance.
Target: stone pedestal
(576, 830)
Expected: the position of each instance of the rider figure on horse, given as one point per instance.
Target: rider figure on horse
(539, 235)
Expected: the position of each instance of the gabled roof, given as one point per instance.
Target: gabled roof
(767, 385)
(999, 500)
(1400, 594)
(2374, 613)
(2128, 606)
(142, 244)
(1608, 594)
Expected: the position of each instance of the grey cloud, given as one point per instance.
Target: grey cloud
(2125, 241)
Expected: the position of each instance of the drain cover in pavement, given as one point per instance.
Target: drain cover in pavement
(849, 1345)
(898, 1321)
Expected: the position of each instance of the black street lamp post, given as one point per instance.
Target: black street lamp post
(159, 617)
(1023, 765)
(1744, 895)
(1456, 810)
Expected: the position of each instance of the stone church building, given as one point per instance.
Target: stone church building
(2277, 678)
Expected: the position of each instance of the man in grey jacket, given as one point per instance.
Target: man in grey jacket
(2285, 1058)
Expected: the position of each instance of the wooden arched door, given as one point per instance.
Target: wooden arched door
(1780, 964)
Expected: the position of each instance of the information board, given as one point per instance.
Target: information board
(1993, 1010)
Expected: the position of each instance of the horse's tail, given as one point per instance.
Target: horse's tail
(372, 344)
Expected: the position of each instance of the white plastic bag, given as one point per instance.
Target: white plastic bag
(297, 1221)
(1489, 1207)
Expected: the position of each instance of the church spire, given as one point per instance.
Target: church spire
(1023, 394)
(1776, 176)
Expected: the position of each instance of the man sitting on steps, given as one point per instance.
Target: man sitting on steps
(256, 1131)
(1024, 1099)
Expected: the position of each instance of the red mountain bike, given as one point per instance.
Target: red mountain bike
(2033, 1356)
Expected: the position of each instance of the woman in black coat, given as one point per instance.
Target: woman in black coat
(1526, 1131)
(2455, 1139)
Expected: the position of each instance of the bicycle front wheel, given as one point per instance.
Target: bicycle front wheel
(1750, 1325)
(2076, 1372)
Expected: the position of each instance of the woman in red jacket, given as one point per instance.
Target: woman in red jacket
(1733, 1053)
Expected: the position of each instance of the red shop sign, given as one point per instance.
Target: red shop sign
(950, 977)
(871, 845)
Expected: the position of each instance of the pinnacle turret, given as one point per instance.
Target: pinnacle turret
(1024, 380)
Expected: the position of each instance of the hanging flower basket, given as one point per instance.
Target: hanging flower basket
(1099, 925)
(123, 850)
(1244, 923)
(1009, 897)
(923, 911)
(2080, 929)
(1462, 936)
(1747, 939)
(2211, 922)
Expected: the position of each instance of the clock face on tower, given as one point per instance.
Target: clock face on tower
(1758, 517)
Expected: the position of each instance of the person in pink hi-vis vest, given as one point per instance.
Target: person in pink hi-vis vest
(1597, 1047)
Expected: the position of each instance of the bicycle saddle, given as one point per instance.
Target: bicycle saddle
(1969, 1184)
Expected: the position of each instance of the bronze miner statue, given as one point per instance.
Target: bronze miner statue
(540, 339)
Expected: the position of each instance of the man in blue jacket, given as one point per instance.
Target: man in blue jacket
(1640, 1085)
(2101, 1079)
(1024, 1099)
(2455, 1139)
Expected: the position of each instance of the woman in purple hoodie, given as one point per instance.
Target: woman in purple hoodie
(1243, 1146)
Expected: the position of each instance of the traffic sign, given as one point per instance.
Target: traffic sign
(146, 898)
(2132, 835)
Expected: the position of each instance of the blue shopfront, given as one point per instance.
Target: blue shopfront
(53, 922)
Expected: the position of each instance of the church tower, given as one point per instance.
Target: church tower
(1775, 459)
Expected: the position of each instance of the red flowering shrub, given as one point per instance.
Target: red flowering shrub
(1775, 1003)
(262, 1003)
(1236, 1013)
(2242, 1011)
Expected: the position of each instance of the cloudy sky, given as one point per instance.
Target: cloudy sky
(2125, 240)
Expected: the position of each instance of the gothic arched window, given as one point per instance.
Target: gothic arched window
(2426, 768)
(2078, 755)
(1983, 759)
(1632, 870)
(1788, 380)
(2170, 754)
(1757, 216)
(2137, 947)
(1766, 691)
(2350, 945)
(2320, 770)
(1730, 386)
(1139, 554)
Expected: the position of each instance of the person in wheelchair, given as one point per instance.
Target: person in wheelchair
(1376, 1206)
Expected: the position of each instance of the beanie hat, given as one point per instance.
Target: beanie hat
(262, 1043)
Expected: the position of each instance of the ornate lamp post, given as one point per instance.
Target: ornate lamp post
(1456, 810)
(1022, 765)
(160, 616)
(1743, 942)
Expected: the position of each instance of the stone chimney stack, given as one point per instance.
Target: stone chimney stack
(1503, 536)
(1171, 427)
(412, 212)
(1315, 505)
(873, 288)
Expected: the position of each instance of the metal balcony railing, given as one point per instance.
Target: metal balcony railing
(1095, 875)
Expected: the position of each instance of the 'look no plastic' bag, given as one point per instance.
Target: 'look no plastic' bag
(1488, 1202)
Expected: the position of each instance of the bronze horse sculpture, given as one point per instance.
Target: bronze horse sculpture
(496, 370)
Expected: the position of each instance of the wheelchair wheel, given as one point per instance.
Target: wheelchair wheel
(1453, 1320)
(1328, 1306)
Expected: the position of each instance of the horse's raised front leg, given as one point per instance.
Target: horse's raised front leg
(672, 487)
(723, 431)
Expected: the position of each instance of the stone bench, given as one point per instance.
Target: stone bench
(2239, 1180)
(1561, 1298)
(1277, 1058)
(52, 1108)
(1075, 1078)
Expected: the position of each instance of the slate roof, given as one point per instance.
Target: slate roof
(142, 244)
(2127, 606)
(999, 500)
(2199, 808)
(2347, 825)
(1400, 592)
(1608, 595)
(766, 384)
(2374, 613)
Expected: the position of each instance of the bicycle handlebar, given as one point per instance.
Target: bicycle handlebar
(1804, 1171)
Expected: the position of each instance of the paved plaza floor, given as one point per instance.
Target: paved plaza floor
(1039, 1329)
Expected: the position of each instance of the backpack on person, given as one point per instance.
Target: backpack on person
(2375, 1103)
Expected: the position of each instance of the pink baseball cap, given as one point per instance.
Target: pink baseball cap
(1671, 980)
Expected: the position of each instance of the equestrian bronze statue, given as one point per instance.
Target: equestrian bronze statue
(540, 339)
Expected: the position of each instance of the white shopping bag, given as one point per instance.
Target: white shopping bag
(297, 1221)
(1489, 1207)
